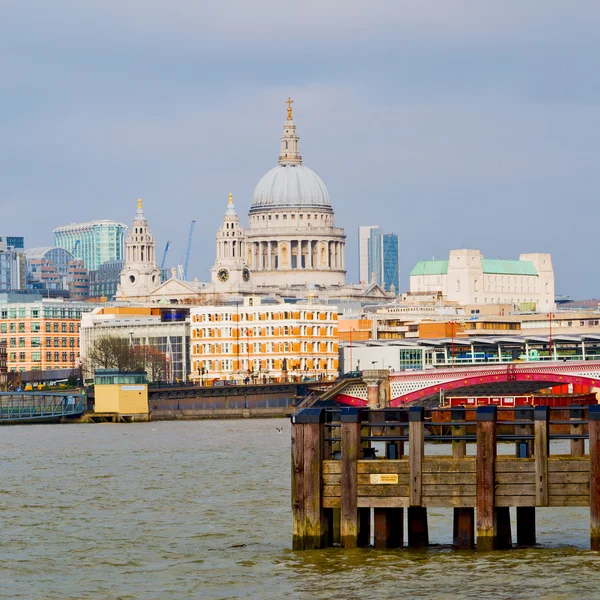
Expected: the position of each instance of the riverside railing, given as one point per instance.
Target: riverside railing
(21, 406)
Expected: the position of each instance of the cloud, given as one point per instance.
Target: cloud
(450, 123)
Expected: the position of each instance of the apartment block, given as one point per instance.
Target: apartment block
(264, 343)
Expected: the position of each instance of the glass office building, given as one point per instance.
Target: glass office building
(95, 242)
(12, 264)
(384, 259)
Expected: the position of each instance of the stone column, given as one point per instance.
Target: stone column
(269, 265)
(376, 380)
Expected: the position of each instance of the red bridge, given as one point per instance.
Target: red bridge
(424, 387)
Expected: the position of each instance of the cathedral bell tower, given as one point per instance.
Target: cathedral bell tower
(229, 270)
(140, 274)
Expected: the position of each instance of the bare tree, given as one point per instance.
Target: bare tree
(109, 352)
(151, 360)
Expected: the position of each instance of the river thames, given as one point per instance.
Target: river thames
(201, 509)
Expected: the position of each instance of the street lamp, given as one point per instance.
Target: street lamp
(551, 315)
(453, 331)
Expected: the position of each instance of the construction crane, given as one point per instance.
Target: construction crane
(164, 258)
(189, 249)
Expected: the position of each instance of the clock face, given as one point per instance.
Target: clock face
(223, 275)
(246, 274)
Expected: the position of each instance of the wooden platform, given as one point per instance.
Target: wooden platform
(336, 479)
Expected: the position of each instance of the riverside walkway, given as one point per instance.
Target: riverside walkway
(337, 477)
(35, 406)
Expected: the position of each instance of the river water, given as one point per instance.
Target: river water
(201, 509)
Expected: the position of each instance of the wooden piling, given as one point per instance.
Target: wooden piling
(418, 528)
(541, 445)
(524, 449)
(297, 484)
(503, 531)
(350, 425)
(363, 538)
(594, 432)
(416, 449)
(463, 536)
(463, 530)
(459, 447)
(577, 446)
(315, 522)
(486, 474)
(388, 527)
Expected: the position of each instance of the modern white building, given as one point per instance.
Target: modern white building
(470, 279)
(364, 237)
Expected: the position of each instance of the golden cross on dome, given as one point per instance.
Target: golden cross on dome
(230, 198)
(139, 203)
(289, 102)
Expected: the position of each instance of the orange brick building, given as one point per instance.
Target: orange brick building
(40, 334)
(264, 342)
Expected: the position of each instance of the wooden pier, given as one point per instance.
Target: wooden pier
(337, 477)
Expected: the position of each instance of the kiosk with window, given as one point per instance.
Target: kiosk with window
(122, 392)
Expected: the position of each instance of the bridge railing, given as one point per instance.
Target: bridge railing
(17, 406)
(480, 360)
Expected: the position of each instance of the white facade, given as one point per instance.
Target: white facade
(230, 272)
(264, 342)
(140, 275)
(291, 239)
(469, 279)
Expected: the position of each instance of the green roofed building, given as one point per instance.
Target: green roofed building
(469, 279)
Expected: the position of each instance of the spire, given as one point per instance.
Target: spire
(230, 212)
(290, 152)
(139, 215)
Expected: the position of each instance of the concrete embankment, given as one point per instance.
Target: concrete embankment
(221, 413)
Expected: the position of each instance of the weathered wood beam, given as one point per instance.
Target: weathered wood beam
(486, 461)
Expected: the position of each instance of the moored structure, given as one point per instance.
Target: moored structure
(338, 479)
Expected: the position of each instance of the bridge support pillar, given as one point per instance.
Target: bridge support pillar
(377, 381)
(373, 394)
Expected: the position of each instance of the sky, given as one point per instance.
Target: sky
(455, 124)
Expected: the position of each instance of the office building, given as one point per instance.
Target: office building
(104, 282)
(13, 269)
(95, 242)
(364, 238)
(165, 330)
(40, 334)
(383, 259)
(264, 342)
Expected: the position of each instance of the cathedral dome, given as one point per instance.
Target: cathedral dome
(290, 185)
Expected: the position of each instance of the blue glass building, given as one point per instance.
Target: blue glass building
(384, 259)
